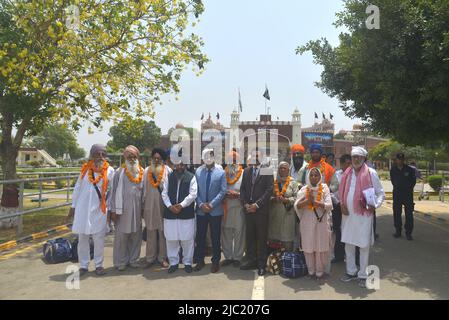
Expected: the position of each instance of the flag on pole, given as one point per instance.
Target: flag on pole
(331, 116)
(240, 102)
(324, 117)
(316, 115)
(202, 116)
(218, 116)
(266, 94)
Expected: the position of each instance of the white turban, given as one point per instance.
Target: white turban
(359, 151)
(206, 153)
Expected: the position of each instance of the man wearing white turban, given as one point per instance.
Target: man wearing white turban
(360, 193)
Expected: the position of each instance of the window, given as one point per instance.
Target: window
(27, 157)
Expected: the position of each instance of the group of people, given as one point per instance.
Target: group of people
(304, 205)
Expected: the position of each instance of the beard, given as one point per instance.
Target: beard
(99, 163)
(133, 168)
(156, 169)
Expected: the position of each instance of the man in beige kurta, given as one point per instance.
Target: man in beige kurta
(126, 211)
(233, 225)
(153, 208)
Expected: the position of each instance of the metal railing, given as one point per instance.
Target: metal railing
(22, 195)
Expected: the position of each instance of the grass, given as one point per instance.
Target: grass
(39, 221)
(44, 189)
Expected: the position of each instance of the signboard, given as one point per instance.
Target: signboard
(326, 140)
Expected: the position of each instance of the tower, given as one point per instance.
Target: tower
(296, 127)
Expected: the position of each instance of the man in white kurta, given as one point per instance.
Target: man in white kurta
(179, 194)
(89, 208)
(357, 228)
(126, 211)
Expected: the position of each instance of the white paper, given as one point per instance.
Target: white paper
(370, 197)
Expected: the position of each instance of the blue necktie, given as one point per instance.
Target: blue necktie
(209, 171)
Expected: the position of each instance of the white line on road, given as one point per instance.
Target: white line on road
(259, 288)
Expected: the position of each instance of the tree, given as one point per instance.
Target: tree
(57, 140)
(92, 61)
(395, 78)
(138, 132)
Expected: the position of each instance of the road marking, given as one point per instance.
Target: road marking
(259, 288)
(28, 248)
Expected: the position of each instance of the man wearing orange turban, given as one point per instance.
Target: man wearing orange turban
(297, 162)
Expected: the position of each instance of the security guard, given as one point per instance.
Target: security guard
(403, 178)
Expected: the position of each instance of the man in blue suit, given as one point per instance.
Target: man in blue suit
(212, 187)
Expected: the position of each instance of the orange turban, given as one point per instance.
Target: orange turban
(297, 148)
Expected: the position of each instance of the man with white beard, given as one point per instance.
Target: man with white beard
(126, 210)
(89, 208)
(360, 193)
(153, 208)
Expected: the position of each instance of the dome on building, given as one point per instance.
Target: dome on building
(179, 126)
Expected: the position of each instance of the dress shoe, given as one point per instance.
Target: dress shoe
(173, 268)
(83, 271)
(397, 235)
(226, 262)
(409, 237)
(214, 268)
(100, 271)
(199, 266)
(188, 268)
(248, 266)
(236, 263)
(261, 271)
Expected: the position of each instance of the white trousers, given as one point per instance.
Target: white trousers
(126, 248)
(84, 249)
(173, 251)
(351, 267)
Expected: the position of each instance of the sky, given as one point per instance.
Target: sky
(251, 44)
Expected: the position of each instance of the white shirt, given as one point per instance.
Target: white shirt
(193, 189)
(89, 219)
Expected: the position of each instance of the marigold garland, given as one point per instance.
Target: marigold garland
(131, 178)
(284, 188)
(236, 178)
(322, 165)
(318, 196)
(156, 183)
(102, 174)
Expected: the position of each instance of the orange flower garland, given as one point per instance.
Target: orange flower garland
(284, 189)
(156, 183)
(90, 167)
(322, 165)
(318, 196)
(236, 178)
(131, 178)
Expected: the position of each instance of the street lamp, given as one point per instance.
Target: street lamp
(435, 163)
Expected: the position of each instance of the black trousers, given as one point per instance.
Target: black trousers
(201, 231)
(339, 248)
(406, 200)
(256, 238)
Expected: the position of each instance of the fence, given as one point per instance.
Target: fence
(21, 183)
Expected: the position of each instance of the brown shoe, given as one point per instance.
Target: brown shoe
(164, 264)
(214, 268)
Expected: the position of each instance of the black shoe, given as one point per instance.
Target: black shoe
(83, 271)
(227, 262)
(248, 266)
(397, 235)
(409, 237)
(199, 266)
(214, 268)
(188, 268)
(236, 263)
(261, 271)
(173, 268)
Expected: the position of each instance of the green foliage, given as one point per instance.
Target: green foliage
(395, 78)
(138, 132)
(435, 182)
(34, 163)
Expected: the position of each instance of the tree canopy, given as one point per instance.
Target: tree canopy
(396, 78)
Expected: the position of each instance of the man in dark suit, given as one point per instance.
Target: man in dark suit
(255, 193)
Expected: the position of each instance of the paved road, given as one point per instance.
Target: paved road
(409, 270)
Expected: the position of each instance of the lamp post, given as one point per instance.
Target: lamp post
(435, 163)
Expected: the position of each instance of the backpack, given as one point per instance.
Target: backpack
(294, 264)
(57, 250)
(75, 249)
(274, 262)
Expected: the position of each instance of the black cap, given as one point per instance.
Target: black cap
(400, 156)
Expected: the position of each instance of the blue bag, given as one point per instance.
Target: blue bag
(294, 264)
(57, 250)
